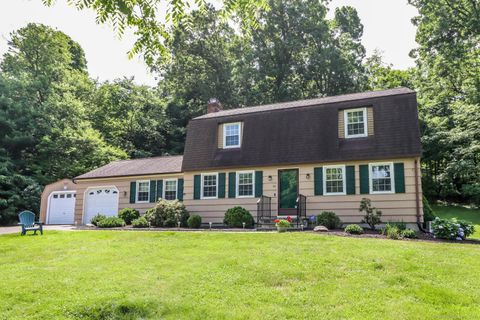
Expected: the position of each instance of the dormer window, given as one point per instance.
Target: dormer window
(232, 135)
(355, 123)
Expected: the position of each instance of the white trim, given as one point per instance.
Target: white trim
(392, 177)
(164, 188)
(225, 135)
(237, 181)
(49, 199)
(365, 124)
(344, 180)
(201, 185)
(97, 187)
(137, 189)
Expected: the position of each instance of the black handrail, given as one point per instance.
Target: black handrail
(264, 208)
(301, 207)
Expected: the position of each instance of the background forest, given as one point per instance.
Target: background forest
(57, 122)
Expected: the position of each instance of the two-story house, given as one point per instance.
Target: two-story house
(291, 158)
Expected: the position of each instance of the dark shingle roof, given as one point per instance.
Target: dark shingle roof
(308, 102)
(307, 132)
(136, 167)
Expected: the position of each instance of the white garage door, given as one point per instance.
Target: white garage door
(103, 200)
(61, 207)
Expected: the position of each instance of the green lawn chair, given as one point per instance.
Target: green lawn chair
(27, 221)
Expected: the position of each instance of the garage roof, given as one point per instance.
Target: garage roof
(136, 167)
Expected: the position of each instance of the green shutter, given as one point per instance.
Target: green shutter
(180, 189)
(221, 185)
(153, 190)
(258, 183)
(133, 191)
(364, 181)
(159, 189)
(232, 177)
(350, 175)
(196, 186)
(399, 175)
(318, 181)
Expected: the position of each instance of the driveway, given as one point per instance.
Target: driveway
(15, 229)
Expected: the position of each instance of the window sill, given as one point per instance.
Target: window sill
(142, 201)
(382, 192)
(335, 194)
(208, 198)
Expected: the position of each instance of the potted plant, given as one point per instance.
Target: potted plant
(283, 224)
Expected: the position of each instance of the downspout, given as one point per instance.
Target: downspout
(417, 198)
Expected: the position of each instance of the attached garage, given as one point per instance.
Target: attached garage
(100, 200)
(61, 207)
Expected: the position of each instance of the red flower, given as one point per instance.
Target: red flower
(276, 221)
(289, 219)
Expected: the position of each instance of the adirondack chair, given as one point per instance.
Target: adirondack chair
(27, 221)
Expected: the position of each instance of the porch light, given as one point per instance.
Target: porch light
(308, 176)
(269, 178)
(124, 193)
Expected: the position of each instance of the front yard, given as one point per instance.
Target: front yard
(210, 275)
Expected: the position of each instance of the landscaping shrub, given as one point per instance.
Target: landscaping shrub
(353, 229)
(98, 217)
(234, 217)
(195, 221)
(140, 223)
(167, 214)
(392, 232)
(428, 213)
(128, 215)
(111, 222)
(452, 229)
(408, 233)
(329, 219)
(372, 214)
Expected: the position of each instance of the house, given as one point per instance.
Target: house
(294, 158)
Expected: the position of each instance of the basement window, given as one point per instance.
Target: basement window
(232, 135)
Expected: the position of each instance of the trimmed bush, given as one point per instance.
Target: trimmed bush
(234, 217)
(128, 215)
(408, 233)
(111, 222)
(452, 229)
(195, 221)
(353, 229)
(98, 217)
(167, 214)
(329, 219)
(428, 213)
(140, 223)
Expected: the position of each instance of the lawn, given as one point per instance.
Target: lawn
(460, 212)
(210, 275)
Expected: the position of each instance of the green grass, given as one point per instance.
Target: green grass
(171, 275)
(460, 212)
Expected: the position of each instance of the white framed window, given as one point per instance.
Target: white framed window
(170, 189)
(232, 135)
(381, 177)
(143, 191)
(245, 184)
(209, 185)
(355, 122)
(334, 182)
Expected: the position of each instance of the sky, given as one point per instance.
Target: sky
(387, 27)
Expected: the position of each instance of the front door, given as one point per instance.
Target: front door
(287, 191)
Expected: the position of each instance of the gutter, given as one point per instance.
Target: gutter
(417, 198)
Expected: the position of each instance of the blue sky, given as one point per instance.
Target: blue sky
(387, 27)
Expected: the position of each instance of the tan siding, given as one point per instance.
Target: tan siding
(395, 207)
(220, 136)
(341, 124)
(61, 185)
(370, 121)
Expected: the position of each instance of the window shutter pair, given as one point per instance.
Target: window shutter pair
(197, 180)
(349, 176)
(398, 174)
(133, 191)
(232, 184)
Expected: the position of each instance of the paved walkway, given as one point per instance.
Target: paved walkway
(15, 229)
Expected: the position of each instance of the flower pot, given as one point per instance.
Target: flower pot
(282, 229)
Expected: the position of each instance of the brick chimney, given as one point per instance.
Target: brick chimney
(214, 105)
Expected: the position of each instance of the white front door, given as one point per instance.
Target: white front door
(61, 207)
(101, 200)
